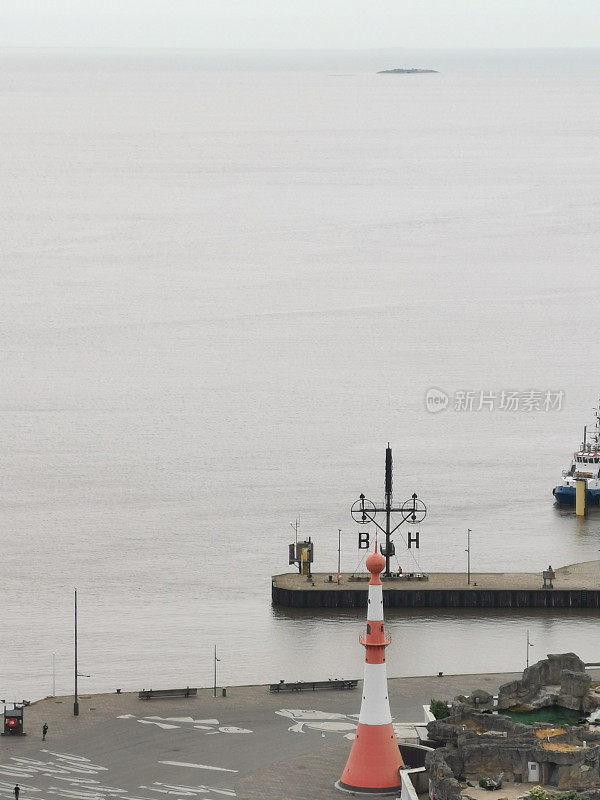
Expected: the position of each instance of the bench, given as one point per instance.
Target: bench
(312, 686)
(148, 694)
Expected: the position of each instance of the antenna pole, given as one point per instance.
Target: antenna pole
(388, 507)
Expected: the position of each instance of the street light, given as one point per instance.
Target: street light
(75, 698)
(529, 644)
(215, 684)
(468, 552)
(339, 554)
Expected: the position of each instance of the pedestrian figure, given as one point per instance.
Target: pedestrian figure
(17, 792)
(44, 731)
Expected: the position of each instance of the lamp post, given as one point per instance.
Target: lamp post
(75, 698)
(215, 666)
(339, 554)
(468, 552)
(529, 644)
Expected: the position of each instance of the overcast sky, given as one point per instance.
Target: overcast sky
(299, 23)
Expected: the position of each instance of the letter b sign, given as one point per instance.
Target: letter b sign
(363, 540)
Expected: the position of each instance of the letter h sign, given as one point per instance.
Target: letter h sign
(413, 538)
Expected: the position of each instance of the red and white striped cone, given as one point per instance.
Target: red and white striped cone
(374, 762)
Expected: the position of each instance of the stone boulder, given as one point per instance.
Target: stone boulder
(577, 684)
(479, 700)
(443, 784)
(574, 688)
(545, 673)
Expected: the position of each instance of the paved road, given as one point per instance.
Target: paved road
(202, 747)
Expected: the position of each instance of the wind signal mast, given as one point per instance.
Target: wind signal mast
(412, 511)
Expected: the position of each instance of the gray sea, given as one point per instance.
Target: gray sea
(228, 280)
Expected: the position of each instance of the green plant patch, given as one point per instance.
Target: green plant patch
(439, 709)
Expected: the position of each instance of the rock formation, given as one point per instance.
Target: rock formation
(483, 745)
(479, 699)
(556, 680)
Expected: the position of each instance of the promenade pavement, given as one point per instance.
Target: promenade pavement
(251, 744)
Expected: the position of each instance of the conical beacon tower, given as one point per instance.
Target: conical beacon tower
(374, 762)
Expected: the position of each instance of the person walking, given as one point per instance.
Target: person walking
(17, 792)
(44, 731)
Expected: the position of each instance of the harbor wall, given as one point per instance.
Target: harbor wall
(438, 598)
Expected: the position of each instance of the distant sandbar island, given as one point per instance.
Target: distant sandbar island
(412, 71)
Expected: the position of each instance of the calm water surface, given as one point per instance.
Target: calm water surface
(227, 284)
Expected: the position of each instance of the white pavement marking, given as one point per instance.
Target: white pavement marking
(196, 766)
(164, 725)
(186, 791)
(68, 756)
(172, 719)
(323, 721)
(15, 772)
(309, 714)
(232, 729)
(24, 787)
(191, 790)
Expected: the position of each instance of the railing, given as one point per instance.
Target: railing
(383, 641)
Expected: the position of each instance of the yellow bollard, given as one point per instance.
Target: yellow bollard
(580, 496)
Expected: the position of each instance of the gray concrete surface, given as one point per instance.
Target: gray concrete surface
(119, 748)
(584, 575)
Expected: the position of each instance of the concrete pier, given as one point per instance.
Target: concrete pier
(575, 586)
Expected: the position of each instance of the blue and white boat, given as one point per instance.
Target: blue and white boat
(585, 464)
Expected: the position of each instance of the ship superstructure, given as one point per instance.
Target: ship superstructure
(585, 465)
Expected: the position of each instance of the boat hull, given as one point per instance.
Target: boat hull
(565, 496)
